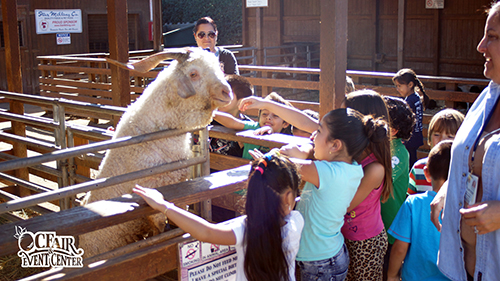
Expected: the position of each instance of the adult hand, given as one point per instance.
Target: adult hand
(437, 205)
(250, 103)
(152, 196)
(484, 216)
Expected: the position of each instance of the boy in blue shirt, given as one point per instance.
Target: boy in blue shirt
(417, 240)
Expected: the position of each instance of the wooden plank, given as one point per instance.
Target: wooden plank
(298, 84)
(401, 32)
(80, 91)
(79, 98)
(104, 213)
(74, 69)
(145, 263)
(221, 162)
(75, 83)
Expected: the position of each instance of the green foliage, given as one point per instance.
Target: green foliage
(227, 14)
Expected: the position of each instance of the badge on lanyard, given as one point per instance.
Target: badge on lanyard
(471, 189)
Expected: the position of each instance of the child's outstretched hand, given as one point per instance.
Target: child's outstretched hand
(263, 130)
(152, 196)
(251, 103)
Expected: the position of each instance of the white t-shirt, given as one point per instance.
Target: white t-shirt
(291, 232)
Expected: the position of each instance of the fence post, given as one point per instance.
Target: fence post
(60, 140)
(206, 206)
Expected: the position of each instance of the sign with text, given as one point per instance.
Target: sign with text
(256, 3)
(434, 4)
(63, 38)
(58, 21)
(207, 261)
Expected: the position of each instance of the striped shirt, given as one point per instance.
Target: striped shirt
(418, 183)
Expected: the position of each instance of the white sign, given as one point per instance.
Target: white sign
(434, 4)
(58, 21)
(47, 249)
(190, 253)
(63, 38)
(223, 269)
(256, 3)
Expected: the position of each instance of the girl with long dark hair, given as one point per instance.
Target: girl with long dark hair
(267, 238)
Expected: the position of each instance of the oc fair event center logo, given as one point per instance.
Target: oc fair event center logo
(46, 249)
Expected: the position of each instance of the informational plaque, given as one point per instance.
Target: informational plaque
(256, 3)
(58, 21)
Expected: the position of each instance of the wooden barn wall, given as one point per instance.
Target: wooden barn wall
(436, 41)
(45, 44)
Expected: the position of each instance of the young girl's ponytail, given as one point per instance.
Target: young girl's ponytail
(424, 98)
(268, 179)
(377, 131)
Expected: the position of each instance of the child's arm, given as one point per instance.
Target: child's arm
(191, 223)
(291, 115)
(228, 121)
(307, 168)
(374, 174)
(398, 254)
(305, 151)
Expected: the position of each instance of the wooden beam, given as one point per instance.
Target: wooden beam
(101, 214)
(118, 50)
(259, 35)
(333, 61)
(14, 80)
(157, 26)
(401, 32)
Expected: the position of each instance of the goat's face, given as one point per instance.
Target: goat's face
(200, 77)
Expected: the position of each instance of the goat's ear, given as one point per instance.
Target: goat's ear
(185, 88)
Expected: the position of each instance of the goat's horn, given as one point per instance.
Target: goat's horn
(152, 61)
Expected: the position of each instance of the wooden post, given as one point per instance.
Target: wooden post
(259, 37)
(401, 32)
(14, 80)
(157, 26)
(118, 50)
(333, 54)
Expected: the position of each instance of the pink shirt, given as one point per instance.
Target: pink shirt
(365, 221)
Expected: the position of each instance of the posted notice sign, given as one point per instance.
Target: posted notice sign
(206, 261)
(58, 21)
(63, 38)
(256, 3)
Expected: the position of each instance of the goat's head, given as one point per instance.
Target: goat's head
(195, 72)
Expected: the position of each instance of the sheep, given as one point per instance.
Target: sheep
(183, 96)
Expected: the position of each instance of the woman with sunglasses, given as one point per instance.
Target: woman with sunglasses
(205, 34)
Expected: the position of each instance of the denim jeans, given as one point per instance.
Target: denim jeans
(332, 269)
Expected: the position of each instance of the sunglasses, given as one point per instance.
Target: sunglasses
(202, 34)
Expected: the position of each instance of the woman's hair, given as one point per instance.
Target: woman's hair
(369, 102)
(273, 96)
(495, 8)
(438, 162)
(204, 20)
(401, 116)
(269, 177)
(240, 85)
(405, 76)
(445, 121)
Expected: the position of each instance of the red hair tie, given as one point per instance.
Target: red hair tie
(260, 170)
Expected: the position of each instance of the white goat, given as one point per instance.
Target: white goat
(183, 96)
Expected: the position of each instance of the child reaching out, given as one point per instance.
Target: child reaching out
(406, 81)
(267, 238)
(417, 240)
(331, 182)
(443, 126)
(269, 122)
